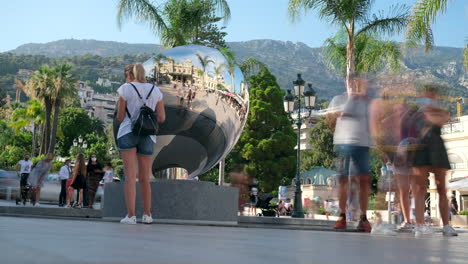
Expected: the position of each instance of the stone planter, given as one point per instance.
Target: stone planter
(460, 221)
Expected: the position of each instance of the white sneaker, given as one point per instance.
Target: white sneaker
(383, 229)
(406, 225)
(129, 220)
(146, 219)
(422, 230)
(449, 231)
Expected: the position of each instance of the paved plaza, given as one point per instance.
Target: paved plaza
(35, 240)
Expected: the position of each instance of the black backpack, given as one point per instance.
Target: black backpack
(147, 123)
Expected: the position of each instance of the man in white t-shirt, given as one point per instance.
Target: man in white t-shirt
(23, 169)
(64, 175)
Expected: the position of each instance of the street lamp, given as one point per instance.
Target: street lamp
(289, 100)
(111, 150)
(80, 143)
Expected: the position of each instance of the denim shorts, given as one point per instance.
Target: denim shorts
(352, 160)
(143, 144)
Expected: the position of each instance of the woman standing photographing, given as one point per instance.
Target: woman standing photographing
(95, 174)
(78, 180)
(134, 148)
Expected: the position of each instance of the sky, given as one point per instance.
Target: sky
(33, 21)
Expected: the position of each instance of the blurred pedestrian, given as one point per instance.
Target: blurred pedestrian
(94, 176)
(352, 142)
(137, 150)
(431, 157)
(24, 167)
(78, 180)
(64, 175)
(108, 173)
(453, 207)
(38, 174)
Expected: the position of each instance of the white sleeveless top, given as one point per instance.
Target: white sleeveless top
(134, 103)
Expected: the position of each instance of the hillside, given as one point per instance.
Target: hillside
(284, 59)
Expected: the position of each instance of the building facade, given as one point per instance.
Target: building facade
(101, 106)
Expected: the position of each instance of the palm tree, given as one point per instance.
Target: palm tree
(218, 71)
(371, 54)
(40, 87)
(176, 22)
(22, 117)
(158, 60)
(419, 29)
(419, 26)
(204, 61)
(355, 18)
(64, 84)
(231, 65)
(251, 66)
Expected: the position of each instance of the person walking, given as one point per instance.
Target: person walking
(137, 150)
(431, 157)
(64, 175)
(453, 207)
(95, 174)
(78, 180)
(108, 173)
(37, 176)
(352, 142)
(24, 167)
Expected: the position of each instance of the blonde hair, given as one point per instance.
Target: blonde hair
(139, 73)
(80, 165)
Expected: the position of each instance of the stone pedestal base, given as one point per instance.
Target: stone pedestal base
(177, 201)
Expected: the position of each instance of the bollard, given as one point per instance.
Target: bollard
(8, 193)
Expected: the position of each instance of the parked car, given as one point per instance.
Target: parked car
(49, 192)
(9, 182)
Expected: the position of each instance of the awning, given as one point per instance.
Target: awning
(458, 185)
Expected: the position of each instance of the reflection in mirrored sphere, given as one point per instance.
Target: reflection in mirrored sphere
(206, 107)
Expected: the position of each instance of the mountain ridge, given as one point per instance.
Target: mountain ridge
(284, 59)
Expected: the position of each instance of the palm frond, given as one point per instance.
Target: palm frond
(422, 16)
(251, 66)
(334, 53)
(380, 23)
(223, 9)
(144, 12)
(373, 55)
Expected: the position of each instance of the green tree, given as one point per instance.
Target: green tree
(75, 122)
(176, 22)
(33, 114)
(64, 84)
(355, 18)
(322, 153)
(266, 146)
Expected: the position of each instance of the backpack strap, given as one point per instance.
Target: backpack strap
(152, 88)
(141, 98)
(136, 90)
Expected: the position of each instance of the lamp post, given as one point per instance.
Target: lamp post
(289, 101)
(112, 151)
(80, 143)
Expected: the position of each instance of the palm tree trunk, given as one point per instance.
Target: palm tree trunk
(53, 136)
(42, 149)
(48, 109)
(232, 83)
(350, 67)
(34, 141)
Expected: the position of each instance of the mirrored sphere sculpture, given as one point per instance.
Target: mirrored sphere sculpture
(206, 104)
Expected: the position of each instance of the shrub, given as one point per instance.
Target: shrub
(465, 212)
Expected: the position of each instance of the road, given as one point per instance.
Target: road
(33, 240)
